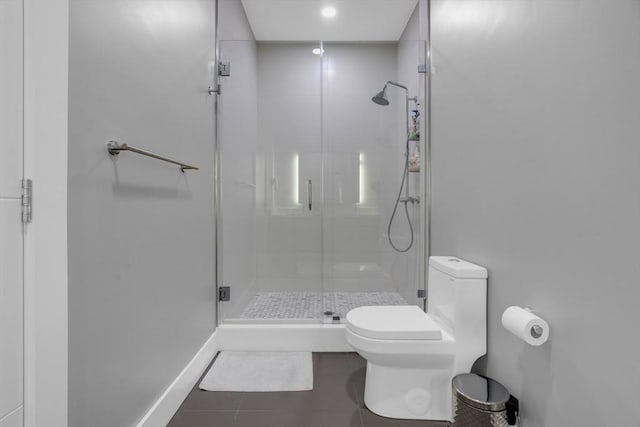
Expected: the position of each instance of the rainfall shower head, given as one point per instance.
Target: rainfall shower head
(381, 97)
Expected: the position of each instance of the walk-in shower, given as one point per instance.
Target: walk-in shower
(310, 167)
(381, 99)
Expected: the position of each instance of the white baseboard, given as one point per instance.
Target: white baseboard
(282, 337)
(263, 337)
(166, 406)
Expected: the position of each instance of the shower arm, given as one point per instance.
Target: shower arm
(406, 89)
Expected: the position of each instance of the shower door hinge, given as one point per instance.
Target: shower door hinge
(224, 293)
(422, 293)
(422, 68)
(26, 200)
(224, 69)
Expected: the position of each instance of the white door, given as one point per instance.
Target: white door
(11, 231)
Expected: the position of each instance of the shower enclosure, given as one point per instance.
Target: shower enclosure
(310, 171)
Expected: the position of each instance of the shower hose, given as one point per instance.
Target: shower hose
(406, 209)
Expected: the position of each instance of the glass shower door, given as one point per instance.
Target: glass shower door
(289, 105)
(363, 163)
(271, 194)
(310, 171)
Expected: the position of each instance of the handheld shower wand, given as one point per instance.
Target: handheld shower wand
(381, 99)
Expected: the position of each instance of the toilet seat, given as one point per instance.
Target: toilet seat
(396, 322)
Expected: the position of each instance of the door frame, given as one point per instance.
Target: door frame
(46, 45)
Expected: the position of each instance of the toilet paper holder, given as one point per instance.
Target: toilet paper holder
(526, 325)
(536, 330)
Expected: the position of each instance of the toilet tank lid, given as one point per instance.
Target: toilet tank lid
(458, 268)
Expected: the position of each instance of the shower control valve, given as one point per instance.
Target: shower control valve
(410, 199)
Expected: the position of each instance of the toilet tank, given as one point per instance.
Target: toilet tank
(457, 297)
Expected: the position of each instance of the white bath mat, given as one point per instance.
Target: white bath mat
(260, 371)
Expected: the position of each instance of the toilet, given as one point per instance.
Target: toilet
(411, 355)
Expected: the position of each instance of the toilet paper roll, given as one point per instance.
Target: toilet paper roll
(522, 323)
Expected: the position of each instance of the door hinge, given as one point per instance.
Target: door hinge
(422, 293)
(27, 200)
(224, 69)
(224, 293)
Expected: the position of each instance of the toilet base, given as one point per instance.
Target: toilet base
(408, 393)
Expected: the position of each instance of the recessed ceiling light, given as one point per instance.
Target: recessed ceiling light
(318, 51)
(329, 12)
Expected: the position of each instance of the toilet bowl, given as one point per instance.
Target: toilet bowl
(411, 355)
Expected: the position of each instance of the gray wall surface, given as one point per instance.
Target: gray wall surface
(535, 147)
(141, 237)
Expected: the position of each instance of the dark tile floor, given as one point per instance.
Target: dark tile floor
(335, 401)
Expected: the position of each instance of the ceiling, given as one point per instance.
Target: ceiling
(356, 20)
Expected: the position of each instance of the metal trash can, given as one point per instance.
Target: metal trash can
(482, 402)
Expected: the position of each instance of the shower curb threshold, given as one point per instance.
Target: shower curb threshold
(316, 337)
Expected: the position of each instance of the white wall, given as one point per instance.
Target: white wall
(141, 237)
(535, 109)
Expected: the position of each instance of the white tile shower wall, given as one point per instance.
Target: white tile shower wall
(535, 176)
(232, 22)
(238, 145)
(359, 138)
(405, 268)
(358, 143)
(289, 141)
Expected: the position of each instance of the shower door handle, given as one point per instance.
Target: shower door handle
(309, 194)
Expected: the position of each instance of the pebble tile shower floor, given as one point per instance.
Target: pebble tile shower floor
(335, 401)
(311, 305)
